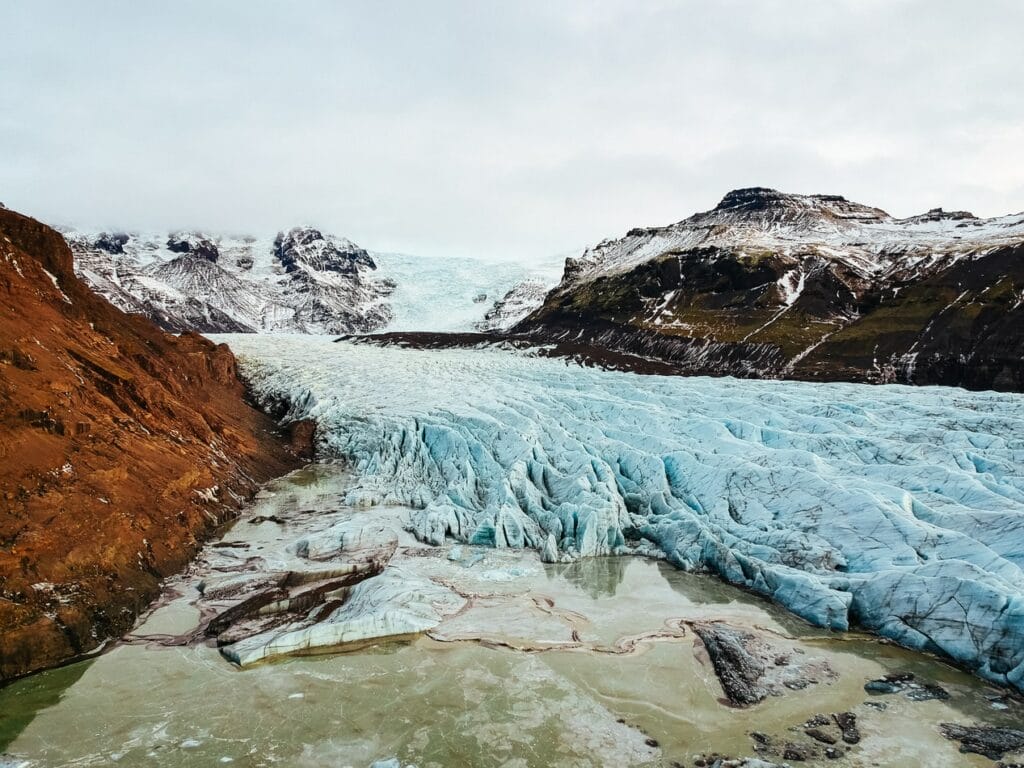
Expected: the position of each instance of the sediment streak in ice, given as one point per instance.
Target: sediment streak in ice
(895, 508)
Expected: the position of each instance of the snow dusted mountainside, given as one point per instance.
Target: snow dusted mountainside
(806, 286)
(766, 284)
(867, 241)
(301, 281)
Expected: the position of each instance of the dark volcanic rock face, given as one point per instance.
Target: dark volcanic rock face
(805, 286)
(991, 742)
(111, 242)
(121, 447)
(780, 206)
(193, 244)
(305, 245)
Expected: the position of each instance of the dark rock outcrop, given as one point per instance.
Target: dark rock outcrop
(194, 245)
(751, 668)
(738, 670)
(111, 242)
(847, 722)
(985, 740)
(905, 683)
(762, 201)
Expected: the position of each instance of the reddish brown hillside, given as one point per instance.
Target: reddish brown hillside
(120, 447)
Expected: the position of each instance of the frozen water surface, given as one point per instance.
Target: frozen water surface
(896, 509)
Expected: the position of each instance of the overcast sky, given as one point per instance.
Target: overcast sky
(503, 130)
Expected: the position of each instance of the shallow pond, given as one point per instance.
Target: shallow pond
(590, 663)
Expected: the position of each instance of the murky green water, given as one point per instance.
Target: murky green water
(504, 683)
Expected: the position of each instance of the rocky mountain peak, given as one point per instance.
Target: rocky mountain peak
(807, 286)
(938, 214)
(763, 203)
(752, 199)
(306, 245)
(302, 281)
(194, 244)
(112, 242)
(303, 235)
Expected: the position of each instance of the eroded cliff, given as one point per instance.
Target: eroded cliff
(121, 447)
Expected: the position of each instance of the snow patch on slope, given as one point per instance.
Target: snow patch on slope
(792, 285)
(520, 300)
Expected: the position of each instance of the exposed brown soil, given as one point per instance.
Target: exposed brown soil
(121, 448)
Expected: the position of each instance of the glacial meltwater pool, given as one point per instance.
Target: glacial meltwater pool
(597, 662)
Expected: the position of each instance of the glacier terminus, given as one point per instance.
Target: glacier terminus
(895, 509)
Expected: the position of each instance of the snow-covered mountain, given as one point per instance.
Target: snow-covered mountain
(869, 242)
(805, 286)
(301, 281)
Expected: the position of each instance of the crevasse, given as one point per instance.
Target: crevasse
(897, 509)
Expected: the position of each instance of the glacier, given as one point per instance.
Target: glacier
(453, 294)
(892, 508)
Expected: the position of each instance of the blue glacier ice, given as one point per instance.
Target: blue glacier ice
(897, 509)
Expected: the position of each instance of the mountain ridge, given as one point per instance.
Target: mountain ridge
(776, 285)
(301, 281)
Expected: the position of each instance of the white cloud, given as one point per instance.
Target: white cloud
(501, 129)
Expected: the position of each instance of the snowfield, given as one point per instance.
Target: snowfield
(452, 294)
(893, 508)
